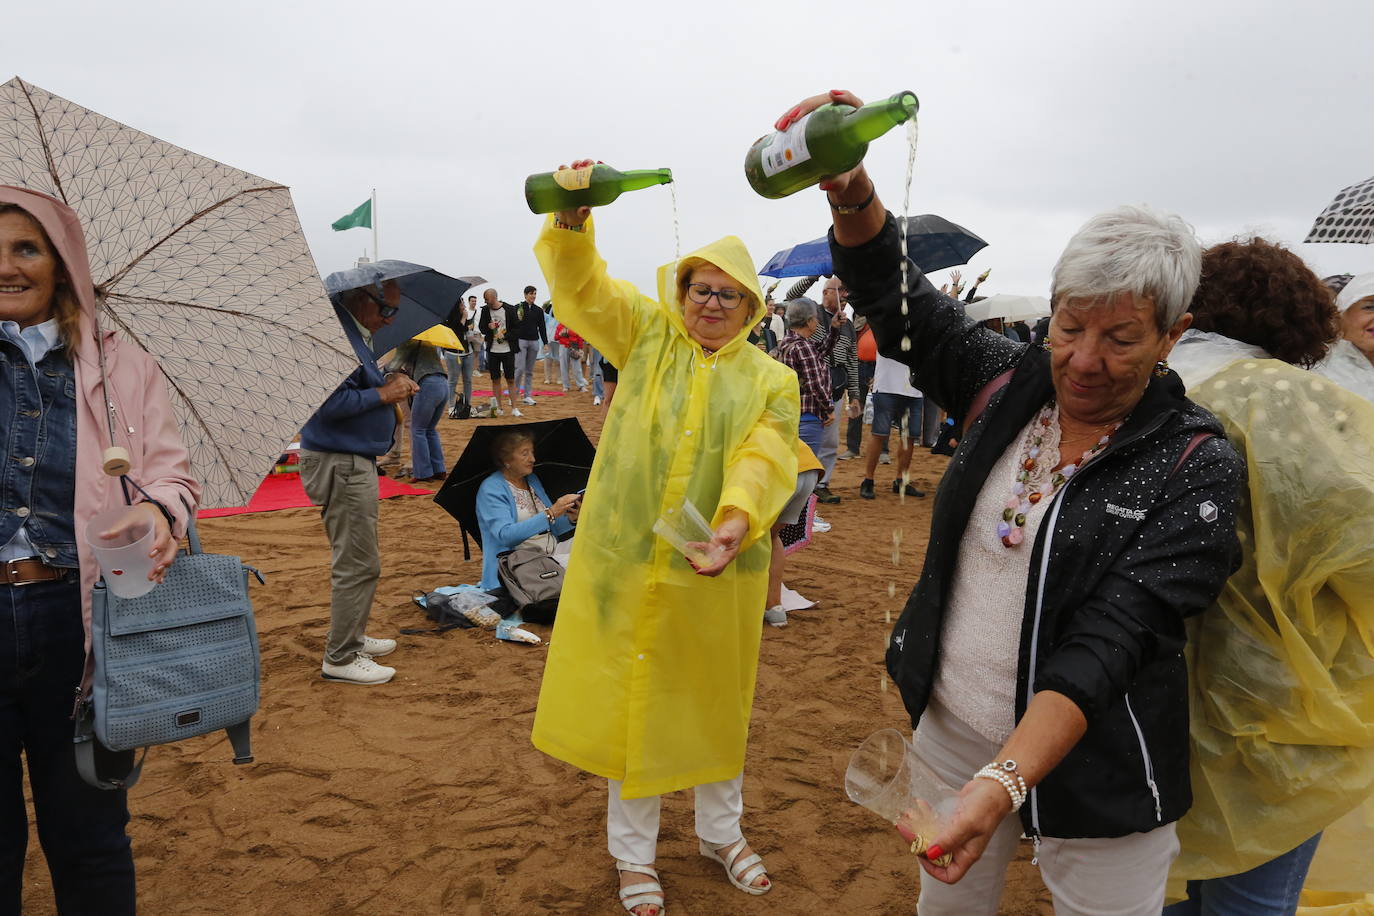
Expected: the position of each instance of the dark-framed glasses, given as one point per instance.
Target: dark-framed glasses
(386, 311)
(701, 294)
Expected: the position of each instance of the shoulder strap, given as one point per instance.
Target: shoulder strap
(1198, 439)
(980, 401)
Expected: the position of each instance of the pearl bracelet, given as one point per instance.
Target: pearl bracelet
(1012, 782)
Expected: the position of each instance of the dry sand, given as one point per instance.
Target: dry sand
(425, 795)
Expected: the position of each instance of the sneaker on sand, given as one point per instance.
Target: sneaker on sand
(515, 412)
(596, 401)
(378, 647)
(823, 495)
(528, 400)
(884, 459)
(910, 490)
(819, 525)
(776, 615)
(866, 489)
(848, 456)
(362, 670)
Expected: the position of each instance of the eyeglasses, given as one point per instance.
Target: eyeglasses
(701, 294)
(386, 311)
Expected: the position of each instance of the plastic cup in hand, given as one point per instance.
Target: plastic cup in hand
(886, 776)
(686, 530)
(124, 559)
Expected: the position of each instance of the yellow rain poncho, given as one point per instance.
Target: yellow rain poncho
(650, 675)
(1281, 669)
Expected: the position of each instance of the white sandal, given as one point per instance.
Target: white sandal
(645, 893)
(741, 872)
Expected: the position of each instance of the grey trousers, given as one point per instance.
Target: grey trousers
(524, 364)
(830, 442)
(345, 486)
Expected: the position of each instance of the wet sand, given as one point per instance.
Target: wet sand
(425, 796)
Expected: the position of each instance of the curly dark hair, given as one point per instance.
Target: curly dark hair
(1261, 293)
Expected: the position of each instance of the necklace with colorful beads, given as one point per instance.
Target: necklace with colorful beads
(1036, 478)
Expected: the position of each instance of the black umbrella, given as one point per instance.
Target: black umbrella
(563, 463)
(932, 242)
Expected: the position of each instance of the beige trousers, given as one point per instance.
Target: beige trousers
(345, 486)
(1121, 876)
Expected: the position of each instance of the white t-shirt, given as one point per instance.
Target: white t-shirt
(892, 377)
(498, 318)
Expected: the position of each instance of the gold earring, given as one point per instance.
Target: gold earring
(1161, 368)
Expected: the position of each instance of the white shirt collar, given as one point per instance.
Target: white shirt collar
(36, 340)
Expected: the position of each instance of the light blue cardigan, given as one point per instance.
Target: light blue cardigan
(496, 520)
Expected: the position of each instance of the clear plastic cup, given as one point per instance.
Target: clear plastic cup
(123, 559)
(887, 777)
(687, 530)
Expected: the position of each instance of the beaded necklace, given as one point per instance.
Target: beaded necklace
(1036, 478)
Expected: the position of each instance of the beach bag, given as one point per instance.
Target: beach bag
(175, 663)
(461, 409)
(534, 580)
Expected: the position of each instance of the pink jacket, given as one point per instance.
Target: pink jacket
(144, 422)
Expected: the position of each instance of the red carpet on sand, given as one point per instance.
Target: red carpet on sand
(285, 491)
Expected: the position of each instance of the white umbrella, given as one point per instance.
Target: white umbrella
(1009, 308)
(200, 264)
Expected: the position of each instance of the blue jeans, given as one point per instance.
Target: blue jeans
(452, 362)
(80, 827)
(811, 431)
(1270, 889)
(426, 454)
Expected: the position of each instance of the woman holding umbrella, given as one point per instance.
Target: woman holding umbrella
(55, 436)
(651, 668)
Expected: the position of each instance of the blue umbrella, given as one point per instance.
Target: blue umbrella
(427, 296)
(933, 242)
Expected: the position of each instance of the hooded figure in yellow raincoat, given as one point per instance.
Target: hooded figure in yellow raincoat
(650, 675)
(1281, 668)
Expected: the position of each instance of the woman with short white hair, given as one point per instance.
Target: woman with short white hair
(1089, 509)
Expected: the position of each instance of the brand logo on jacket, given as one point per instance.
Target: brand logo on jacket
(899, 639)
(1135, 515)
(1208, 511)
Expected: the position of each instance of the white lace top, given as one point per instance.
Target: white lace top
(527, 506)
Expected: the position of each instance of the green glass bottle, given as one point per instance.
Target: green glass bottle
(592, 186)
(830, 140)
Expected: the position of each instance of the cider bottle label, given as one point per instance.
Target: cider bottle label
(574, 179)
(786, 149)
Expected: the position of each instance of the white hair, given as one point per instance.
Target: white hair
(1137, 250)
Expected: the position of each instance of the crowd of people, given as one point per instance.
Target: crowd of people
(1142, 635)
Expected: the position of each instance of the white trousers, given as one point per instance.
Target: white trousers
(1122, 876)
(632, 823)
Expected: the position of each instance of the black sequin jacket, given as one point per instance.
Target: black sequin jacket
(1129, 547)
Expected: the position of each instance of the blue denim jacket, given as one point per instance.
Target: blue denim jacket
(38, 450)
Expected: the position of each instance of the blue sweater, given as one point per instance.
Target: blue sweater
(496, 520)
(353, 419)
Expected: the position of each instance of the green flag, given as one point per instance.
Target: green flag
(359, 217)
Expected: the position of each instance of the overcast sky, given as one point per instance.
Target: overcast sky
(1241, 116)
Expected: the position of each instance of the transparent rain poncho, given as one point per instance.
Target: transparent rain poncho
(1282, 666)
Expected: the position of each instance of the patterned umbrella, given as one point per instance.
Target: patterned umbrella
(1348, 218)
(202, 265)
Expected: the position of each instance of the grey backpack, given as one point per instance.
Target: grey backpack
(178, 662)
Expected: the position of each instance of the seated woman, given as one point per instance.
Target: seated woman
(1088, 511)
(54, 483)
(513, 508)
(1281, 667)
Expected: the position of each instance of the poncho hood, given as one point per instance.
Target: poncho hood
(728, 254)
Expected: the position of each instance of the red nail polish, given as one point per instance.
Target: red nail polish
(837, 92)
(934, 852)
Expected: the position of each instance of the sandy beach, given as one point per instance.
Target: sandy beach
(425, 796)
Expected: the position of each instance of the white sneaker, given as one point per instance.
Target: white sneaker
(583, 389)
(776, 615)
(884, 459)
(378, 647)
(529, 400)
(596, 401)
(819, 525)
(515, 412)
(362, 670)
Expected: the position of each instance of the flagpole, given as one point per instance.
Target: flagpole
(376, 251)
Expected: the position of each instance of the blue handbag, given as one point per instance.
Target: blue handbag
(175, 663)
